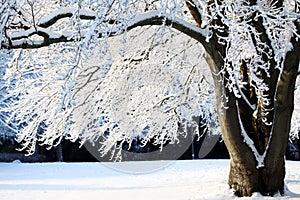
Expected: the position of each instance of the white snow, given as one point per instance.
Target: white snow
(65, 11)
(32, 31)
(175, 180)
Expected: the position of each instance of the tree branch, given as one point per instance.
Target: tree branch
(276, 3)
(155, 18)
(53, 17)
(22, 38)
(195, 12)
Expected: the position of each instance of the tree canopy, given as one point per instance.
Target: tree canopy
(76, 68)
(142, 84)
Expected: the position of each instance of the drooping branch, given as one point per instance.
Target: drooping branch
(22, 39)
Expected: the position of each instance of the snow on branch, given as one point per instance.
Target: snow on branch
(155, 18)
(22, 38)
(53, 17)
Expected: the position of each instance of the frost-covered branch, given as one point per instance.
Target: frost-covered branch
(59, 14)
(23, 39)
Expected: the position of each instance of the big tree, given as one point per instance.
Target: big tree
(252, 49)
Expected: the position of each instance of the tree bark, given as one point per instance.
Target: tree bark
(245, 177)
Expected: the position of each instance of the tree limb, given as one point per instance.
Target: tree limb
(22, 38)
(195, 12)
(53, 17)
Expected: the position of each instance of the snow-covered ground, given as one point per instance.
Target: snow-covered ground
(188, 180)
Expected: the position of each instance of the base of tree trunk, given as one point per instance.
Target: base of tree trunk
(245, 179)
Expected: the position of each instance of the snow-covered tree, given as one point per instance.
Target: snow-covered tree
(7, 131)
(67, 75)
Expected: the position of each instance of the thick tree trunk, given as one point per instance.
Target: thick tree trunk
(266, 125)
(245, 176)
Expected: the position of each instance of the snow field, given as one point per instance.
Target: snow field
(176, 180)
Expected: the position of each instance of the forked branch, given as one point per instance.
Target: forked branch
(24, 39)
